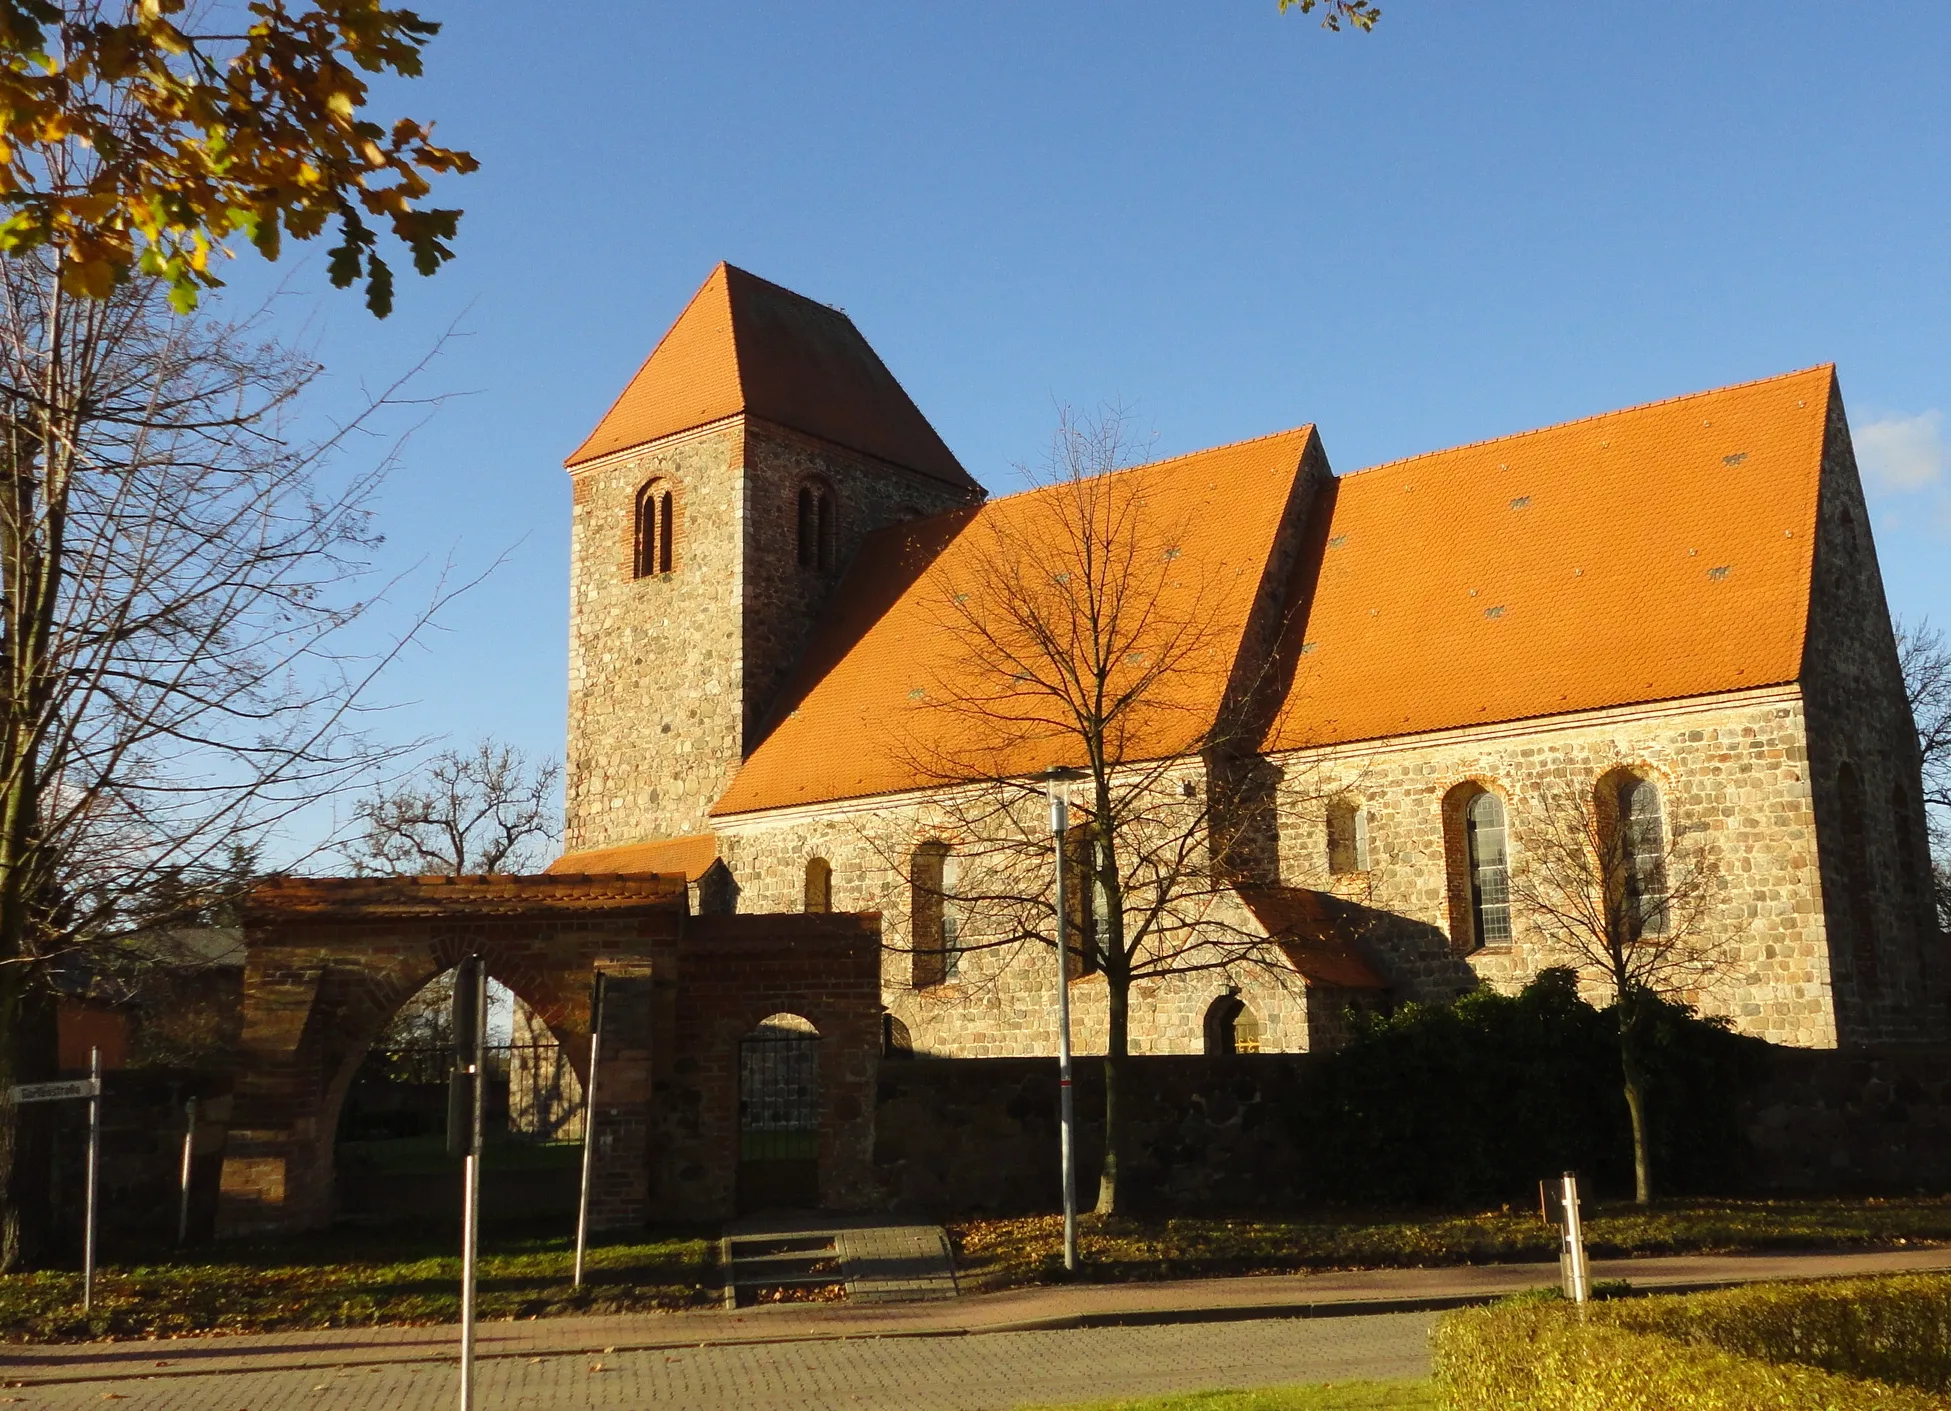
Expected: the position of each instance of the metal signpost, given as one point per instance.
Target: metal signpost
(464, 1140)
(91, 1089)
(1559, 1200)
(1059, 784)
(189, 1155)
(589, 1123)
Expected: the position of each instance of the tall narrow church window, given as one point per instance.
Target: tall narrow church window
(1084, 900)
(819, 885)
(1347, 837)
(656, 534)
(1642, 856)
(1490, 870)
(816, 527)
(1856, 869)
(933, 921)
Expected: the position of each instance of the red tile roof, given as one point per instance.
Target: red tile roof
(744, 345)
(1650, 554)
(691, 856)
(862, 714)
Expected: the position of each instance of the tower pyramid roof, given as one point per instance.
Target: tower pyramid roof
(745, 345)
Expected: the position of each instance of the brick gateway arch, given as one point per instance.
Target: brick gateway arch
(329, 961)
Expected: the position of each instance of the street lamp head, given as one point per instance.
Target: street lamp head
(1057, 781)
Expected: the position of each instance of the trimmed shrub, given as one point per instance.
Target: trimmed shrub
(1782, 1348)
(1895, 1329)
(1474, 1102)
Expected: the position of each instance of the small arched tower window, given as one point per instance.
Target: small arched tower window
(816, 526)
(1640, 855)
(1347, 837)
(1488, 858)
(932, 915)
(819, 885)
(656, 530)
(1231, 1028)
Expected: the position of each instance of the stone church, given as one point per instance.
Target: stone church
(1676, 606)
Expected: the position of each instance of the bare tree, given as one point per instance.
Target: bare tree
(178, 574)
(1926, 661)
(1083, 633)
(1621, 892)
(488, 809)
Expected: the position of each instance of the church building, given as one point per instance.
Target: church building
(1673, 610)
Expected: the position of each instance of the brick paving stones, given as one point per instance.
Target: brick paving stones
(912, 1373)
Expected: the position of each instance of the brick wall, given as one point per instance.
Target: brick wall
(329, 963)
(967, 1137)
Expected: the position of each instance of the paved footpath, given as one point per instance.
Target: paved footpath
(988, 1350)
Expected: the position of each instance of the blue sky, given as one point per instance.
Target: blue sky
(1480, 218)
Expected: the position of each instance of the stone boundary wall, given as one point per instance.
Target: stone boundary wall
(962, 1137)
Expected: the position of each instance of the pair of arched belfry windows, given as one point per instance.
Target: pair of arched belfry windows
(656, 537)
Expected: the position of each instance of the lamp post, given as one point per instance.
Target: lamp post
(1058, 782)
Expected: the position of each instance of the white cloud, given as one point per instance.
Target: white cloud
(1904, 452)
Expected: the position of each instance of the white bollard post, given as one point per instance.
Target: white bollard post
(1578, 1287)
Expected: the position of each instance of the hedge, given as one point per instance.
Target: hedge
(1469, 1103)
(1776, 1348)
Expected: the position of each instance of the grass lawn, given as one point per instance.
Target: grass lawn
(1331, 1396)
(1006, 1253)
(351, 1278)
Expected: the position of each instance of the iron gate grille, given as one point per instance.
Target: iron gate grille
(779, 1096)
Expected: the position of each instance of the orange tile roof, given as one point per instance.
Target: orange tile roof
(1644, 555)
(691, 856)
(744, 345)
(861, 716)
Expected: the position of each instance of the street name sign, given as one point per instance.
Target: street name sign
(54, 1092)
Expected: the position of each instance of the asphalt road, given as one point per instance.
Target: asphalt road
(979, 1372)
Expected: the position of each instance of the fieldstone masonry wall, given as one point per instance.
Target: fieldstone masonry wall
(672, 675)
(1732, 769)
(1889, 956)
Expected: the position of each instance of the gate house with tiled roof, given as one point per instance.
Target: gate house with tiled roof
(1680, 599)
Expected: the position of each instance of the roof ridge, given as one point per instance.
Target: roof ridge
(1829, 367)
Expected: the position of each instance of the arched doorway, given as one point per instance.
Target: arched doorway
(779, 1115)
(390, 1154)
(1231, 1028)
